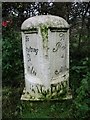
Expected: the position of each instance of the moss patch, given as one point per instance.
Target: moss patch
(57, 94)
(44, 33)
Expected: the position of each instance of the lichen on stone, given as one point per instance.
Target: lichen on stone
(57, 94)
(44, 34)
(52, 21)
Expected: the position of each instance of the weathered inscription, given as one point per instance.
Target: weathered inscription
(31, 69)
(62, 56)
(31, 49)
(57, 72)
(59, 44)
(61, 35)
(29, 58)
(32, 88)
(54, 87)
(26, 38)
(63, 47)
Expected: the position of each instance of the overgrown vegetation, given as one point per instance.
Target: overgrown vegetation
(11, 56)
(12, 68)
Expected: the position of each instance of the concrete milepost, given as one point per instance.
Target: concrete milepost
(45, 41)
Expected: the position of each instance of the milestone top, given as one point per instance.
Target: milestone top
(47, 20)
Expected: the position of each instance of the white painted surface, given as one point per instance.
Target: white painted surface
(45, 68)
(49, 20)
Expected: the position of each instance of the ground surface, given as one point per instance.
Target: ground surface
(13, 107)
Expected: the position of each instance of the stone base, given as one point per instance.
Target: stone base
(27, 96)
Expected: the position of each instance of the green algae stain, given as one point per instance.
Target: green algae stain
(44, 34)
(59, 93)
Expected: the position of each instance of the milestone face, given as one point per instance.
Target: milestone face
(56, 55)
(32, 50)
(45, 42)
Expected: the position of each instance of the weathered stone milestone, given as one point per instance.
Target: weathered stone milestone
(45, 41)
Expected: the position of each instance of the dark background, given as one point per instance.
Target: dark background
(78, 16)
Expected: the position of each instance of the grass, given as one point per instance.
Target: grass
(13, 107)
(46, 110)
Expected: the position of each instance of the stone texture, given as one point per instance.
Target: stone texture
(48, 20)
(45, 41)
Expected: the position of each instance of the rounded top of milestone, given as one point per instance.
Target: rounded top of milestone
(44, 20)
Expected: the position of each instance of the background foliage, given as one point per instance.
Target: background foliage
(78, 16)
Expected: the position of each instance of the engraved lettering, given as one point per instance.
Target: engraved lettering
(58, 71)
(27, 38)
(28, 68)
(41, 88)
(62, 84)
(37, 89)
(31, 69)
(58, 45)
(53, 88)
(30, 49)
(63, 47)
(29, 59)
(62, 56)
(61, 35)
(32, 88)
(58, 86)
